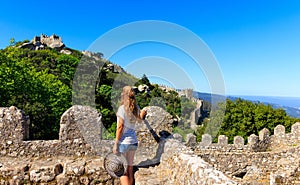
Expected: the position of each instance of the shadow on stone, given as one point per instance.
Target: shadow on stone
(160, 139)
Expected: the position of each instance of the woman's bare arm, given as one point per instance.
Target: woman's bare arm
(119, 131)
(143, 114)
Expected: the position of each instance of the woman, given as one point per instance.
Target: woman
(126, 141)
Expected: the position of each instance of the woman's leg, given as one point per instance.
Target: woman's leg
(128, 179)
(125, 178)
(130, 158)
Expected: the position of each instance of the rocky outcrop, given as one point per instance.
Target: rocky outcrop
(143, 88)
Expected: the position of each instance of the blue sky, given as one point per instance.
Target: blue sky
(256, 43)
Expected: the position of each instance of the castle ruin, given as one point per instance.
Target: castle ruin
(41, 42)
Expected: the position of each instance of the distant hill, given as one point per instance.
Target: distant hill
(209, 97)
(284, 101)
(290, 104)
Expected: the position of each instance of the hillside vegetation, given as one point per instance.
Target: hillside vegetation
(242, 118)
(40, 82)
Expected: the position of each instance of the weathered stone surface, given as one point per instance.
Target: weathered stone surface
(253, 139)
(161, 159)
(191, 140)
(44, 173)
(222, 140)
(82, 123)
(180, 166)
(14, 125)
(59, 170)
(238, 141)
(178, 137)
(279, 131)
(264, 134)
(206, 140)
(151, 133)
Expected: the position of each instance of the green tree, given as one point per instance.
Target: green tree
(144, 80)
(243, 118)
(12, 41)
(41, 95)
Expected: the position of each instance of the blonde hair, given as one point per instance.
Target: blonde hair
(130, 104)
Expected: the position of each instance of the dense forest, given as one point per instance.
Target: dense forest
(41, 83)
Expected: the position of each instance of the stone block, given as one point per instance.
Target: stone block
(279, 131)
(178, 137)
(295, 130)
(222, 140)
(238, 141)
(14, 124)
(206, 140)
(264, 134)
(81, 123)
(253, 140)
(157, 121)
(190, 139)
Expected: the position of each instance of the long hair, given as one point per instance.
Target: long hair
(130, 104)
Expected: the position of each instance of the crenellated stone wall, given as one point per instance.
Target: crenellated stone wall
(77, 156)
(162, 157)
(261, 143)
(265, 159)
(72, 140)
(72, 159)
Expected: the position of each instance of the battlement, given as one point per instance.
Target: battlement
(14, 129)
(74, 138)
(263, 142)
(80, 134)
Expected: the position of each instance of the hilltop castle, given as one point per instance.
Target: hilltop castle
(41, 42)
(52, 41)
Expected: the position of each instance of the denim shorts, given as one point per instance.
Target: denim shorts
(127, 147)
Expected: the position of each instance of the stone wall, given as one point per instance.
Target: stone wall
(261, 143)
(264, 159)
(75, 158)
(162, 157)
(77, 134)
(179, 165)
